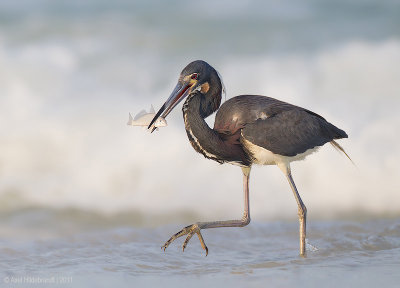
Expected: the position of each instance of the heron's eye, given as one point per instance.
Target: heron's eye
(194, 76)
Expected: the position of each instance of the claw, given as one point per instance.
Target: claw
(203, 244)
(190, 234)
(189, 231)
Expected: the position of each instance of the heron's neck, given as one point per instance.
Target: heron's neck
(203, 139)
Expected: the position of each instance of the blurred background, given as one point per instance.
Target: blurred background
(70, 71)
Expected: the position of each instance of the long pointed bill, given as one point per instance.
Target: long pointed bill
(180, 92)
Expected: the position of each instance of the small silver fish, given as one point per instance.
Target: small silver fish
(144, 118)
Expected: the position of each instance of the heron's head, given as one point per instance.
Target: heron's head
(200, 78)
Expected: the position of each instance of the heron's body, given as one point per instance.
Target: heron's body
(248, 129)
(253, 129)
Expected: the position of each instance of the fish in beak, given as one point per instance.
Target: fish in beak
(182, 89)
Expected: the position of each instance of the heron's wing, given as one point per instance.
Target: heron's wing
(242, 110)
(152, 111)
(275, 125)
(291, 132)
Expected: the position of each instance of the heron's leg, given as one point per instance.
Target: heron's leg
(195, 228)
(302, 209)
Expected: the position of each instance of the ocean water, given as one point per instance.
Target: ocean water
(340, 253)
(87, 199)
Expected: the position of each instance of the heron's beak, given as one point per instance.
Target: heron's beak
(181, 90)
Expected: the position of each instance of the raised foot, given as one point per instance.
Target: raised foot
(189, 231)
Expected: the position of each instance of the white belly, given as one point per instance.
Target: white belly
(263, 156)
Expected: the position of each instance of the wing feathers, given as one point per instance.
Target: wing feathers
(290, 132)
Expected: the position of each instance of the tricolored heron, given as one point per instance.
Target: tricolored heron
(248, 129)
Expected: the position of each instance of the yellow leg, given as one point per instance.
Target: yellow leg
(195, 228)
(302, 210)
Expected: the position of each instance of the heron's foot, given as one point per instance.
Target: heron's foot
(189, 231)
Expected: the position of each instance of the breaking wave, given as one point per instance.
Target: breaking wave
(65, 144)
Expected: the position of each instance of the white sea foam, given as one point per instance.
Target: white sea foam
(65, 143)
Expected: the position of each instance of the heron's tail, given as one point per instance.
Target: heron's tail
(340, 148)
